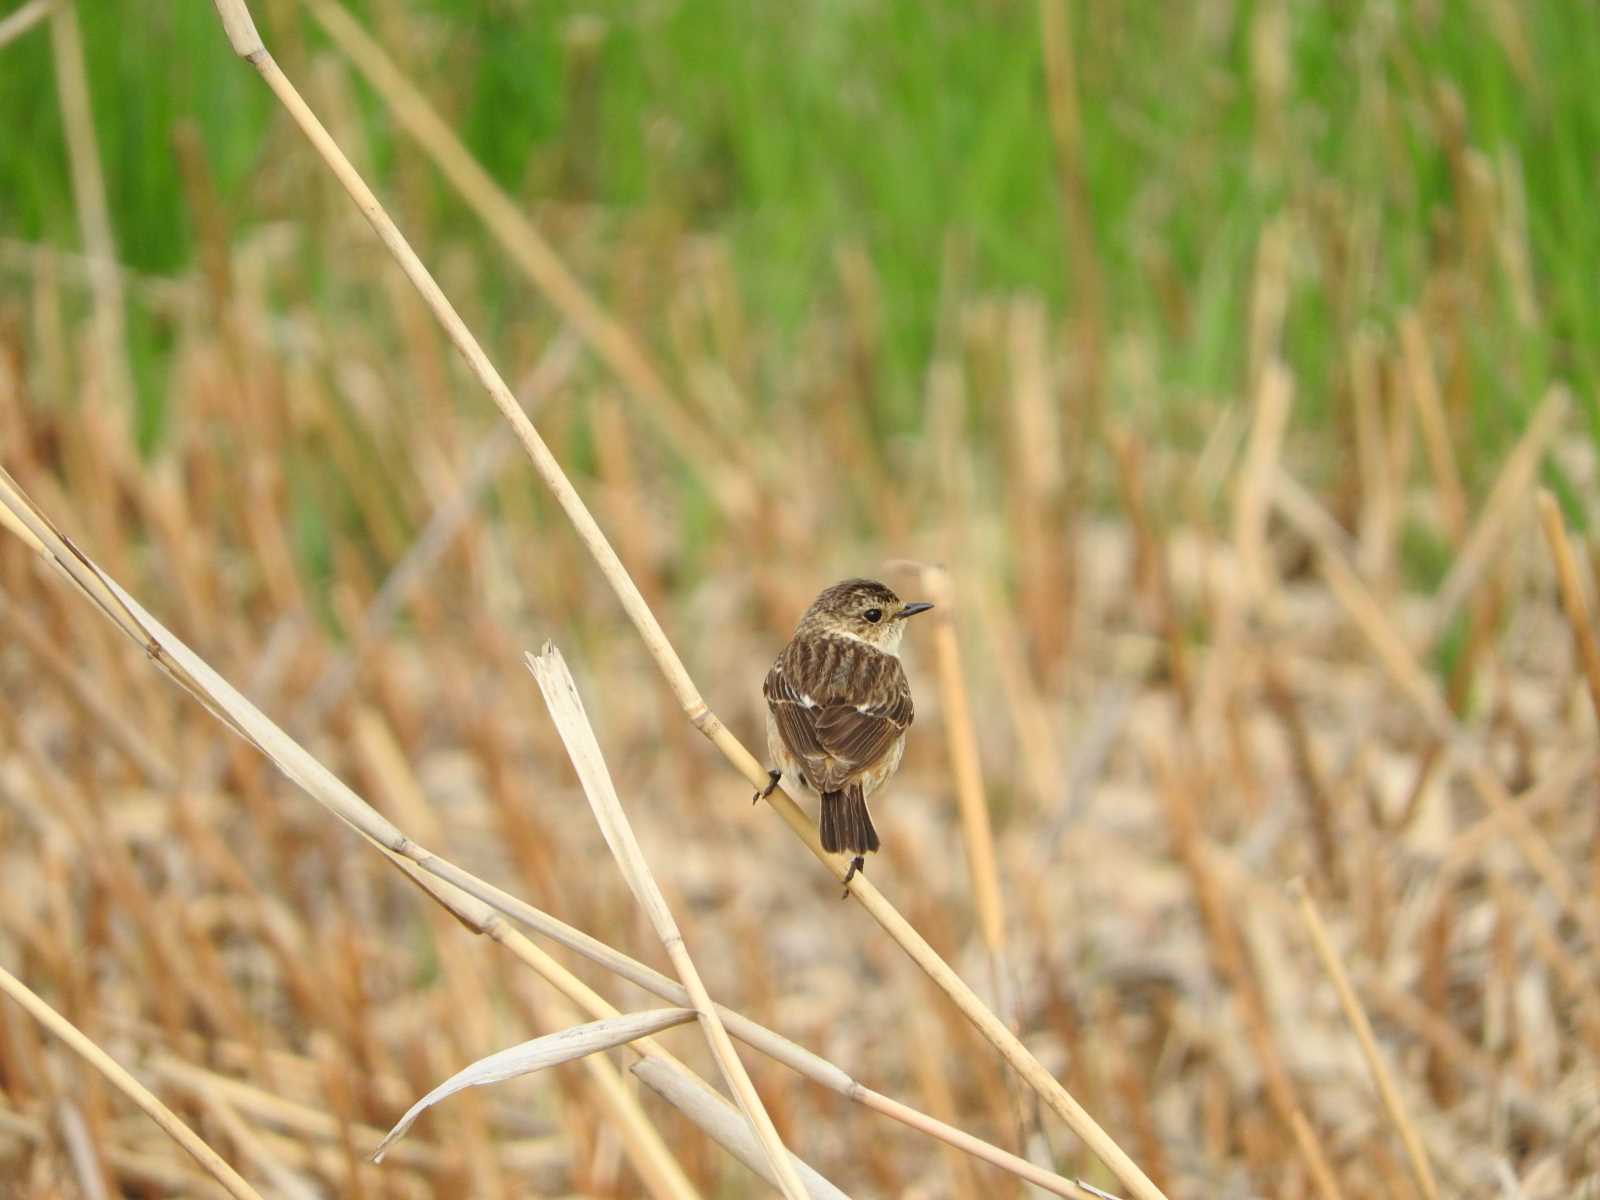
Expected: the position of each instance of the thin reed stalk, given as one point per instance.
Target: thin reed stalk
(534, 256)
(1572, 599)
(94, 214)
(1357, 1017)
(20, 20)
(119, 1078)
(566, 709)
(247, 43)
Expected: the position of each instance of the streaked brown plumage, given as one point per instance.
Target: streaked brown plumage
(838, 707)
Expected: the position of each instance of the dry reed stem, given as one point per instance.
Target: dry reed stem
(303, 1121)
(1478, 548)
(142, 1170)
(962, 739)
(1233, 967)
(24, 18)
(1424, 391)
(82, 1151)
(1572, 599)
(286, 1182)
(130, 1087)
(1066, 129)
(94, 216)
(247, 43)
(300, 767)
(614, 344)
(1396, 658)
(236, 712)
(1405, 1009)
(1576, 610)
(1362, 1027)
(572, 723)
(977, 834)
(776, 1047)
(1378, 490)
(642, 1142)
(1252, 501)
(729, 1130)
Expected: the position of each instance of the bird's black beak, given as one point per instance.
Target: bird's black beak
(912, 610)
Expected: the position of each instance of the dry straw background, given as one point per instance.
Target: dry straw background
(1282, 870)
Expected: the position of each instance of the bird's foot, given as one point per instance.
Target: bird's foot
(773, 776)
(858, 863)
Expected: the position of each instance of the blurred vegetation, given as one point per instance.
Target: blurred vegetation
(921, 134)
(1208, 399)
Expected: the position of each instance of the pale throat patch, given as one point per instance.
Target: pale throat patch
(891, 637)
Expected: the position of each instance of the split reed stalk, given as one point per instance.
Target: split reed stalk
(572, 723)
(247, 43)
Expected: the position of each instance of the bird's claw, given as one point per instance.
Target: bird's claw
(858, 863)
(773, 776)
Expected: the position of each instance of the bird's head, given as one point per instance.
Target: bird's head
(863, 609)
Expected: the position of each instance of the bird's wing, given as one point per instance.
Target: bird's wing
(848, 717)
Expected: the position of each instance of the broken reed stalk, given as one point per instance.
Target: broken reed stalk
(572, 723)
(1362, 1027)
(247, 44)
(470, 900)
(119, 1078)
(224, 702)
(643, 1143)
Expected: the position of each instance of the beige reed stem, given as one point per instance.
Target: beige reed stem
(19, 21)
(94, 215)
(453, 887)
(125, 1083)
(572, 723)
(1357, 1017)
(247, 43)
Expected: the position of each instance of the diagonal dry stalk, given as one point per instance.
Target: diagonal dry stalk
(119, 1078)
(19, 21)
(1572, 601)
(566, 709)
(476, 902)
(246, 42)
(1397, 659)
(1357, 1017)
(533, 255)
(648, 1152)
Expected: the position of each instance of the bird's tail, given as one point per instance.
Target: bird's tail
(846, 824)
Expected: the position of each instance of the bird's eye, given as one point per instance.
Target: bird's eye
(874, 615)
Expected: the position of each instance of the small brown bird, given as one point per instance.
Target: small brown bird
(838, 706)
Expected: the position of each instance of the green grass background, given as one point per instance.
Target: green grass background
(905, 127)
